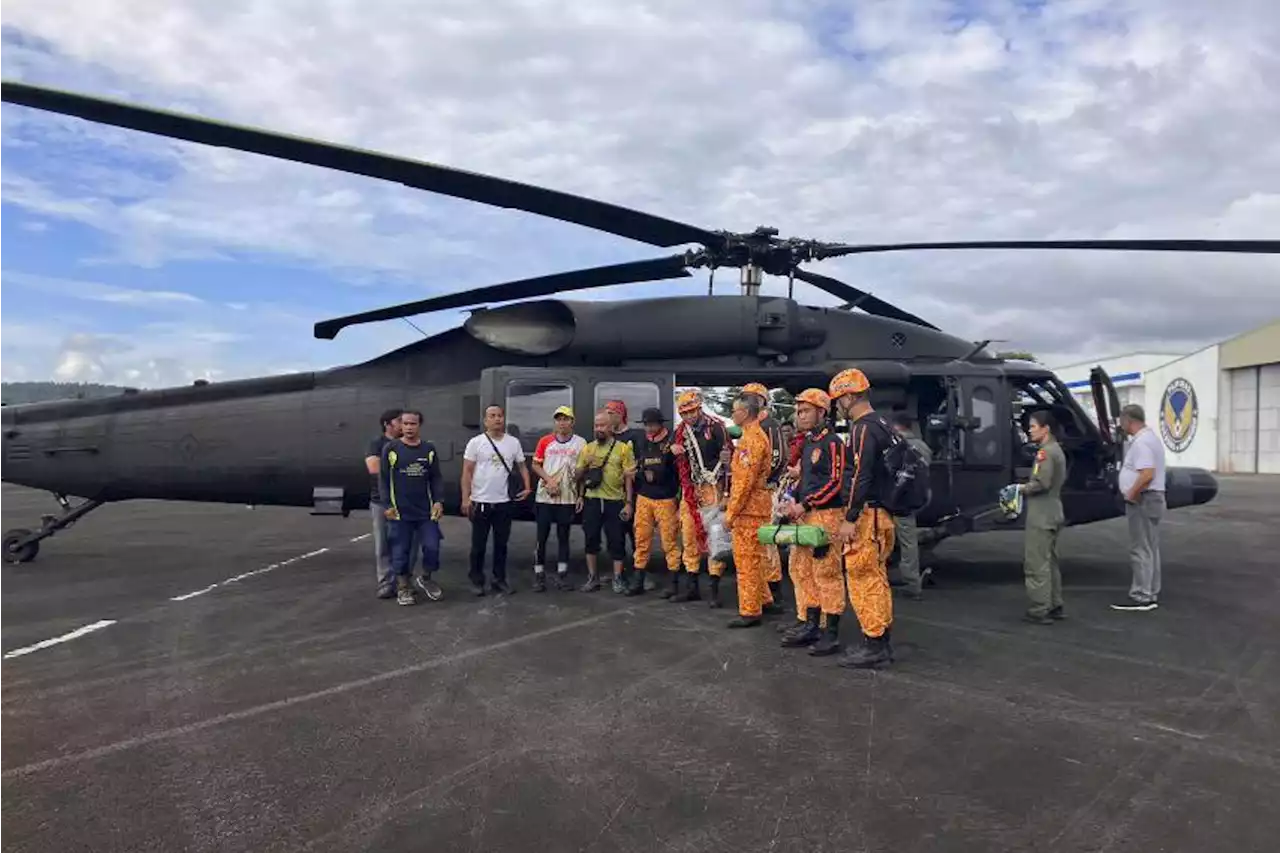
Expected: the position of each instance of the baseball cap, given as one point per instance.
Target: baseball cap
(566, 411)
(652, 416)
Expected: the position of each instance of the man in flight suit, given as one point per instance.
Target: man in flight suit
(907, 533)
(817, 572)
(699, 440)
(657, 486)
(777, 469)
(867, 530)
(1044, 519)
(750, 507)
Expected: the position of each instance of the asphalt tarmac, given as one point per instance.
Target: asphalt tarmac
(291, 710)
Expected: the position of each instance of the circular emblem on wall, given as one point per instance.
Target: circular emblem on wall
(1179, 414)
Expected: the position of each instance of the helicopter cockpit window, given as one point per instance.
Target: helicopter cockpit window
(530, 406)
(637, 395)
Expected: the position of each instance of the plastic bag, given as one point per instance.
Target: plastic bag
(719, 540)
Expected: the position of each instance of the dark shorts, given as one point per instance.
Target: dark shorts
(604, 516)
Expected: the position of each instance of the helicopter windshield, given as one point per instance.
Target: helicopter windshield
(1048, 392)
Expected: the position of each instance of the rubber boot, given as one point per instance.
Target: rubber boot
(673, 591)
(692, 593)
(804, 633)
(714, 603)
(873, 652)
(637, 584)
(773, 608)
(829, 643)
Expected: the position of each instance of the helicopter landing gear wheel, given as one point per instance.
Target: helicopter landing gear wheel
(16, 550)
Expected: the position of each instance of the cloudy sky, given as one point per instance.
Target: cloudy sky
(134, 259)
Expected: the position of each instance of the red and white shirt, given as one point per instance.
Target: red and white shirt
(559, 461)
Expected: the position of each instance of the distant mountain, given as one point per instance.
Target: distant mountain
(16, 393)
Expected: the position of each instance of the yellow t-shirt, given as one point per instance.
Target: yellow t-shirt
(613, 486)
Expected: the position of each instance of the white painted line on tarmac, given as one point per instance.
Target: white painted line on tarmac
(361, 537)
(261, 571)
(44, 644)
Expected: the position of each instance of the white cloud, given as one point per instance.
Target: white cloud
(875, 121)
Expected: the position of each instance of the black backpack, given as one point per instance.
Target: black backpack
(906, 486)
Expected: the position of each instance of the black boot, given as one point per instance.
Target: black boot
(804, 633)
(745, 622)
(692, 593)
(829, 642)
(714, 603)
(775, 607)
(637, 584)
(673, 591)
(873, 652)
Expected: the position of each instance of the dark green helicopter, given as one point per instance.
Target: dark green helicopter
(201, 443)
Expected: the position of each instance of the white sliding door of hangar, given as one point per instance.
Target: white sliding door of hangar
(1269, 419)
(1255, 419)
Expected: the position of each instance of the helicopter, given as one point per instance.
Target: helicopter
(201, 443)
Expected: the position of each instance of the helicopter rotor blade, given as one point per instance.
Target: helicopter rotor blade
(498, 192)
(1240, 246)
(547, 285)
(856, 298)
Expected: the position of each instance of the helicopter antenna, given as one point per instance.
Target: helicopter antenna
(978, 347)
(415, 325)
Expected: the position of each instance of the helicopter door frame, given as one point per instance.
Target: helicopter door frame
(1106, 403)
(528, 420)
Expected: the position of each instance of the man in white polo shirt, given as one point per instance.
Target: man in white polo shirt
(1142, 485)
(491, 464)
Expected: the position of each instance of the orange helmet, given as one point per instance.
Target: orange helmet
(688, 401)
(814, 397)
(851, 381)
(755, 388)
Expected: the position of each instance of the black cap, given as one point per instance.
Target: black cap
(652, 416)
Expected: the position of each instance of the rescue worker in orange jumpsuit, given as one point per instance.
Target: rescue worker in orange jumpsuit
(867, 531)
(657, 489)
(817, 572)
(777, 469)
(750, 507)
(697, 445)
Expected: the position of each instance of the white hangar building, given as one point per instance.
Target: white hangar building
(1217, 408)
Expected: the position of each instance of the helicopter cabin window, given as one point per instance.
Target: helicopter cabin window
(637, 395)
(984, 440)
(1041, 393)
(530, 406)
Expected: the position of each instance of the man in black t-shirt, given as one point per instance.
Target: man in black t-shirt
(621, 432)
(657, 486)
(411, 481)
(390, 422)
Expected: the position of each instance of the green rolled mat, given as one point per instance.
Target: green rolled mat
(734, 431)
(804, 535)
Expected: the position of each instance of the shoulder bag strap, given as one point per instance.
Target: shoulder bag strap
(501, 458)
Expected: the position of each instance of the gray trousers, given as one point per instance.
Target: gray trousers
(906, 535)
(1144, 545)
(382, 550)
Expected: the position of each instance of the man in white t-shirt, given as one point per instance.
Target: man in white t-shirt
(1142, 485)
(487, 467)
(555, 463)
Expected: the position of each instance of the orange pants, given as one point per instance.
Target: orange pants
(819, 582)
(750, 559)
(707, 496)
(866, 566)
(773, 567)
(666, 515)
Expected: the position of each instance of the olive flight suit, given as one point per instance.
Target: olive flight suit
(1044, 520)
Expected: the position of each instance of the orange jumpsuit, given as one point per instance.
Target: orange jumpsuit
(818, 580)
(750, 507)
(709, 439)
(866, 558)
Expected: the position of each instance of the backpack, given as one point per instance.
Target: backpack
(907, 487)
